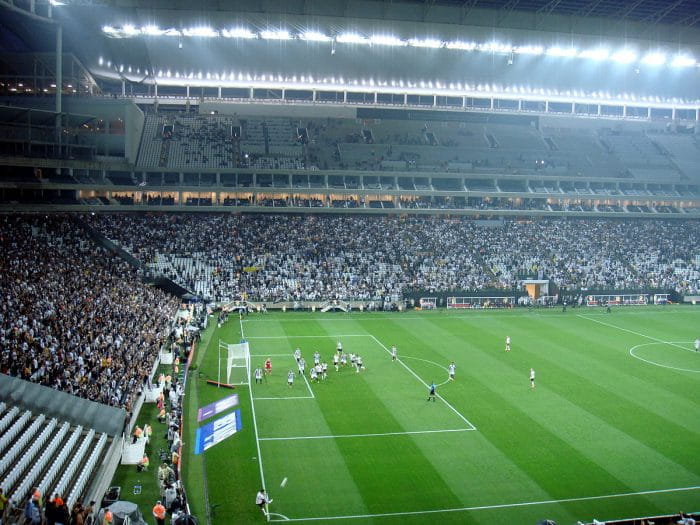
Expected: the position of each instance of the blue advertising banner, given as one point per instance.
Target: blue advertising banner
(215, 432)
(216, 408)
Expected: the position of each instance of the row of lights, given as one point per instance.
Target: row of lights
(168, 77)
(23, 88)
(622, 56)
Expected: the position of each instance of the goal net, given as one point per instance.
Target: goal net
(428, 303)
(234, 363)
(617, 300)
(480, 302)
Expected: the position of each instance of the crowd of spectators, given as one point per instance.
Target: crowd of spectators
(285, 258)
(73, 316)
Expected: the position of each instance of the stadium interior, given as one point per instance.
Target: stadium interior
(161, 160)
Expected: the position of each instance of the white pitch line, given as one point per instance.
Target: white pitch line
(635, 333)
(305, 336)
(281, 398)
(406, 433)
(659, 364)
(272, 355)
(255, 426)
(313, 396)
(425, 384)
(501, 506)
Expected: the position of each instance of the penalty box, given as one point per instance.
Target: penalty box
(399, 389)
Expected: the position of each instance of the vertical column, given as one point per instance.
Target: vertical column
(434, 100)
(313, 95)
(123, 88)
(219, 91)
(546, 106)
(673, 114)
(59, 81)
(250, 94)
(600, 110)
(520, 105)
(405, 99)
(155, 90)
(345, 96)
(624, 111)
(375, 97)
(188, 91)
(464, 102)
(492, 103)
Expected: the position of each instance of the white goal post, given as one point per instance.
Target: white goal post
(617, 300)
(427, 303)
(236, 363)
(480, 302)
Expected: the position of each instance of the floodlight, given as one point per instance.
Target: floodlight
(495, 47)
(556, 51)
(152, 30)
(130, 30)
(599, 53)
(100, 61)
(624, 56)
(171, 31)
(654, 59)
(386, 40)
(352, 38)
(458, 44)
(109, 30)
(683, 61)
(425, 42)
(314, 36)
(528, 50)
(280, 34)
(238, 32)
(206, 32)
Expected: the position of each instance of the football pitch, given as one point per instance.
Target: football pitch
(611, 429)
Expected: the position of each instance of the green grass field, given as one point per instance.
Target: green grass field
(611, 430)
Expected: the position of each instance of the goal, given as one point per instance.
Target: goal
(428, 303)
(662, 298)
(480, 302)
(235, 359)
(617, 300)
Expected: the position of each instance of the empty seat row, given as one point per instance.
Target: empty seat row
(29, 454)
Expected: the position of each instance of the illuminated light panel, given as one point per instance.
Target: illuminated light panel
(352, 38)
(314, 36)
(206, 32)
(683, 61)
(595, 54)
(152, 30)
(654, 59)
(239, 32)
(386, 40)
(109, 30)
(426, 42)
(464, 46)
(556, 51)
(130, 30)
(277, 34)
(495, 47)
(529, 50)
(624, 56)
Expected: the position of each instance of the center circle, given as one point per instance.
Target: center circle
(635, 353)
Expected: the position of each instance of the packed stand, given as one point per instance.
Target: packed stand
(74, 317)
(285, 258)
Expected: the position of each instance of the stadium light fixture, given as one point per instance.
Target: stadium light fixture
(556, 51)
(624, 56)
(110, 30)
(654, 59)
(130, 30)
(277, 34)
(599, 53)
(203, 31)
(239, 32)
(495, 47)
(683, 61)
(152, 30)
(386, 40)
(432, 43)
(352, 38)
(100, 61)
(460, 45)
(528, 50)
(314, 36)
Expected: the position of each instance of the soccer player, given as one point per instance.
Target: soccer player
(532, 378)
(268, 366)
(302, 366)
(297, 354)
(261, 500)
(314, 375)
(319, 371)
(393, 352)
(344, 360)
(317, 357)
(697, 344)
(324, 370)
(507, 343)
(258, 375)
(353, 358)
(339, 347)
(451, 370)
(336, 361)
(358, 364)
(290, 378)
(431, 394)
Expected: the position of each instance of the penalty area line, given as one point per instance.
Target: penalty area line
(500, 506)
